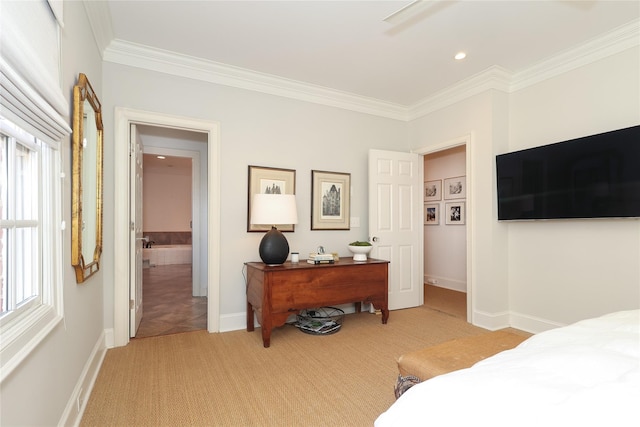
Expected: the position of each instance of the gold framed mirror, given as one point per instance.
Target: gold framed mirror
(86, 191)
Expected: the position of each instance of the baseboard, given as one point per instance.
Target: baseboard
(444, 282)
(532, 324)
(490, 321)
(505, 319)
(234, 322)
(78, 400)
(109, 341)
(483, 319)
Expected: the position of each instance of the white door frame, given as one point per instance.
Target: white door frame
(465, 140)
(123, 118)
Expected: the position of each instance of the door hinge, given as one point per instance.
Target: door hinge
(132, 304)
(132, 226)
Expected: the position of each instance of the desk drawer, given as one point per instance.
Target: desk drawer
(319, 287)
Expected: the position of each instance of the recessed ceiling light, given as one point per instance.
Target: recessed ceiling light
(161, 157)
(460, 55)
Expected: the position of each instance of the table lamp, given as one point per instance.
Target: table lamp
(274, 209)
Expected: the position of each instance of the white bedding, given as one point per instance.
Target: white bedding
(585, 374)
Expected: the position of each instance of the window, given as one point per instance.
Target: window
(19, 226)
(30, 268)
(33, 125)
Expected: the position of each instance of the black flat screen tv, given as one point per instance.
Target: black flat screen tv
(596, 176)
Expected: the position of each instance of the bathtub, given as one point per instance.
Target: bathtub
(167, 254)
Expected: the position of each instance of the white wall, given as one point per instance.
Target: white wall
(568, 270)
(39, 389)
(445, 246)
(536, 275)
(482, 120)
(263, 130)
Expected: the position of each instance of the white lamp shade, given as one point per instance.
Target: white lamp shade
(274, 209)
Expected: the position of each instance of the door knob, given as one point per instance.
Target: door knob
(374, 239)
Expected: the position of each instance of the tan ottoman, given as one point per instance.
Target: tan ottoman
(450, 356)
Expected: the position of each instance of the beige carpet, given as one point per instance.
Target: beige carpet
(229, 379)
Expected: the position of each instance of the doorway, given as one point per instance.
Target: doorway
(124, 118)
(173, 300)
(177, 161)
(447, 238)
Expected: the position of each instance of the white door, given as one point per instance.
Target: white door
(136, 239)
(395, 222)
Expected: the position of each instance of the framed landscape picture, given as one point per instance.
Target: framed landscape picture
(265, 180)
(432, 190)
(455, 188)
(330, 200)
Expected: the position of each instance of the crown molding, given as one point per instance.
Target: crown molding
(100, 23)
(494, 78)
(137, 55)
(611, 43)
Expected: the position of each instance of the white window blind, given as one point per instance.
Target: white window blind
(30, 93)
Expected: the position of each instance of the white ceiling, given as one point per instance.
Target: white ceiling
(346, 45)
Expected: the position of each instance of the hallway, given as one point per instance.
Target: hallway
(168, 306)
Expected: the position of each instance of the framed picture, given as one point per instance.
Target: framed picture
(454, 213)
(264, 180)
(330, 200)
(432, 190)
(455, 188)
(432, 213)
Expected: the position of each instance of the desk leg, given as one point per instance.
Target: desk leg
(385, 315)
(266, 329)
(250, 325)
(266, 336)
(358, 307)
(266, 323)
(384, 309)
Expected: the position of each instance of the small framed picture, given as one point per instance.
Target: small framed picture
(432, 213)
(266, 180)
(455, 188)
(454, 213)
(432, 190)
(330, 200)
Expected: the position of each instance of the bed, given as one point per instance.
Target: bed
(587, 373)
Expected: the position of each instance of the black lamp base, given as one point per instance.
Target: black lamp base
(274, 248)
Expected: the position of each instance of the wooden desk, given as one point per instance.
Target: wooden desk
(276, 292)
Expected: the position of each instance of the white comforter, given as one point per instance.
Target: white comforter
(585, 374)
